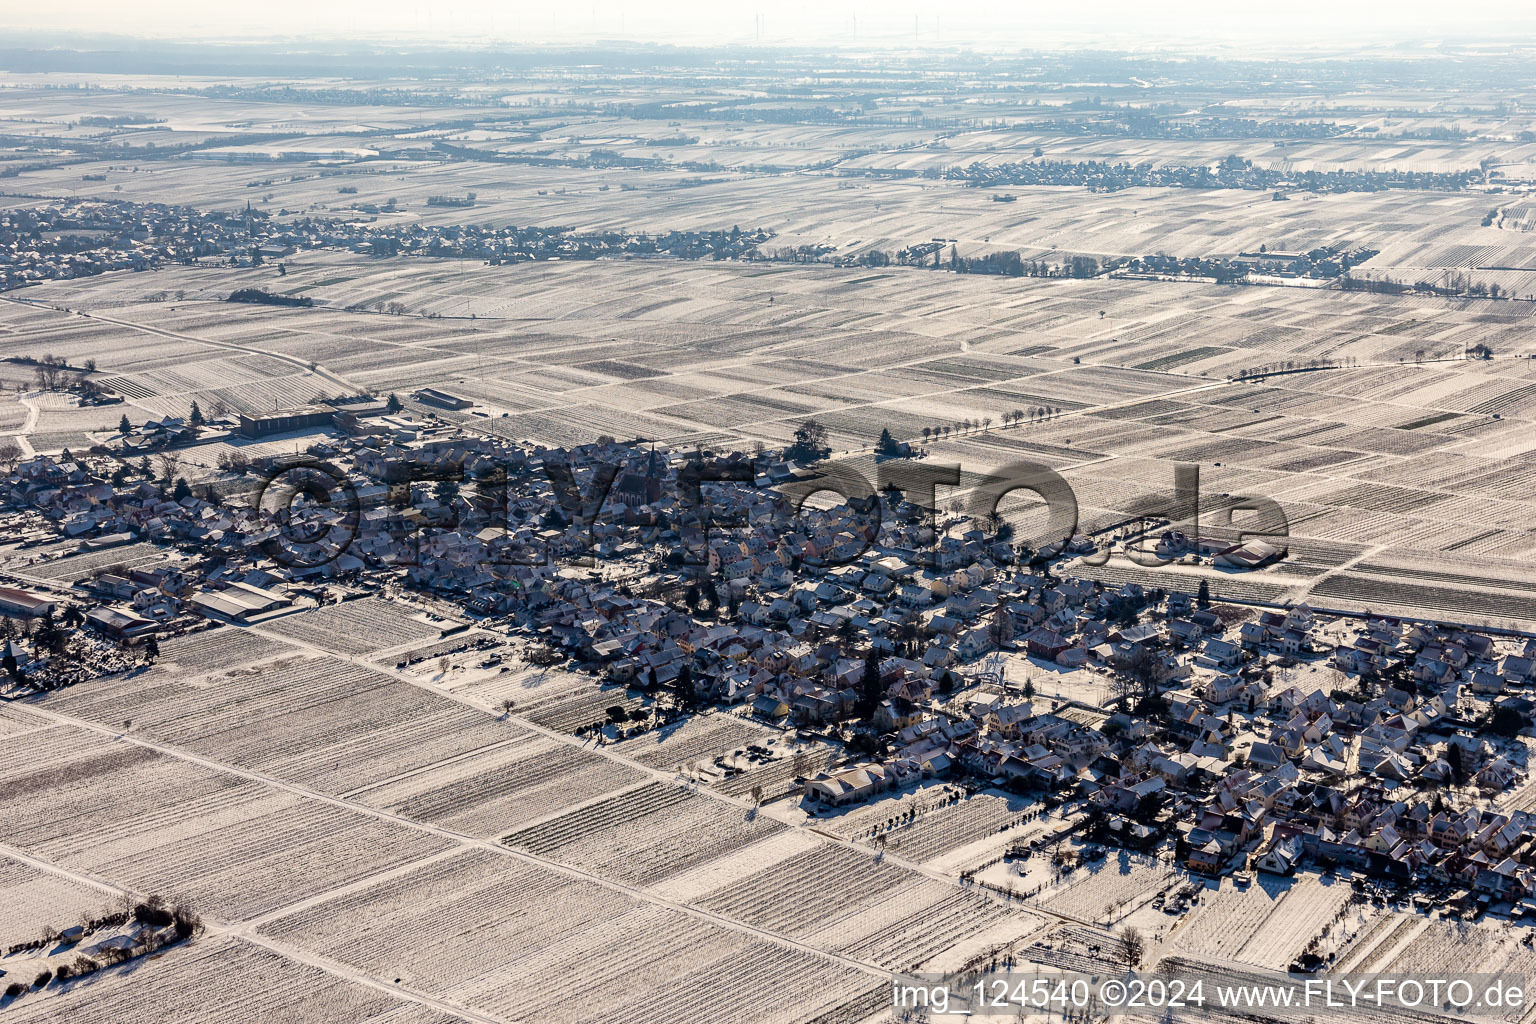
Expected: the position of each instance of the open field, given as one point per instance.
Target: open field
(324, 723)
(33, 899)
(526, 944)
(155, 823)
(356, 627)
(866, 908)
(221, 981)
(556, 699)
(1228, 918)
(60, 565)
(494, 790)
(641, 837)
(1107, 891)
(1269, 923)
(942, 830)
(849, 185)
(243, 850)
(697, 739)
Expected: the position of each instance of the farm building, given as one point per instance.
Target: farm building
(349, 417)
(1250, 555)
(239, 601)
(120, 622)
(20, 602)
(281, 421)
(432, 396)
(849, 785)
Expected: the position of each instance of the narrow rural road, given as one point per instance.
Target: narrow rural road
(23, 436)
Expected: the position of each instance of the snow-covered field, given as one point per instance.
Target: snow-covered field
(32, 899)
(524, 943)
(1106, 891)
(218, 981)
(156, 823)
(1271, 922)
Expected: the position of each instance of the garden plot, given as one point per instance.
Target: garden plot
(1228, 917)
(857, 905)
(1447, 948)
(219, 980)
(71, 568)
(645, 835)
(696, 738)
(154, 823)
(356, 627)
(32, 899)
(952, 826)
(318, 722)
(1106, 891)
(777, 777)
(559, 700)
(520, 942)
(1309, 909)
(499, 788)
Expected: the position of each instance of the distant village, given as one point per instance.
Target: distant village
(910, 647)
(83, 238)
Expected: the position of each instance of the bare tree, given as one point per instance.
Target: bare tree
(1000, 627)
(49, 370)
(1132, 947)
(1142, 674)
(170, 463)
(10, 454)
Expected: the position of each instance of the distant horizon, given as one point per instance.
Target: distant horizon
(360, 50)
(1310, 26)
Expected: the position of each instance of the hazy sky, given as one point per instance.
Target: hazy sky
(984, 23)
